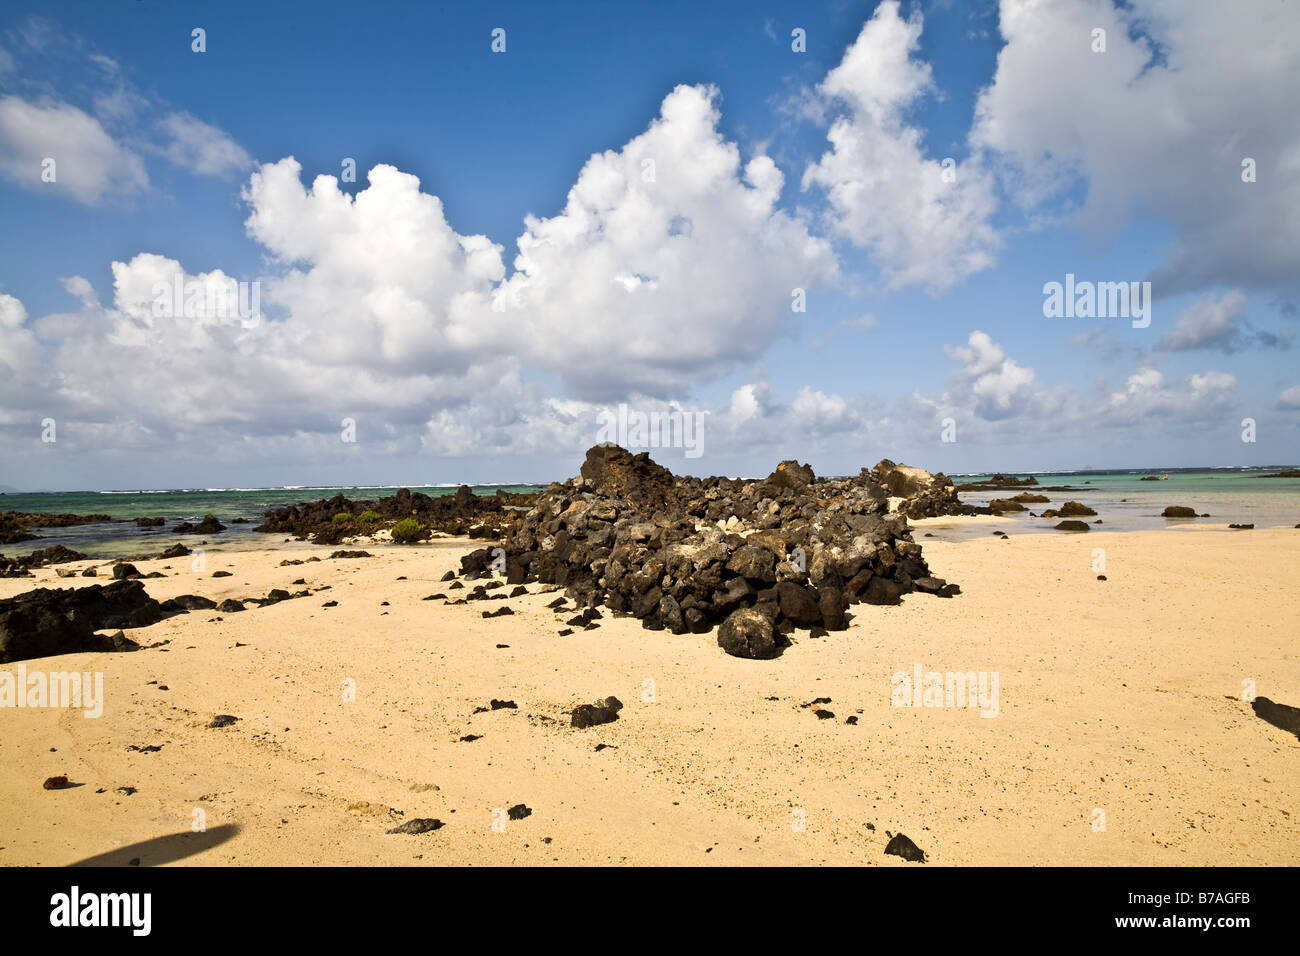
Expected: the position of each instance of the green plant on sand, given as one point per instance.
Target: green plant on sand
(408, 530)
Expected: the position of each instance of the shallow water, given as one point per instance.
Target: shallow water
(1126, 503)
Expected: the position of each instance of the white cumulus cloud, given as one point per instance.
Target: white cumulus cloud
(925, 223)
(669, 262)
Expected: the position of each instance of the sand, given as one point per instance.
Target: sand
(1120, 697)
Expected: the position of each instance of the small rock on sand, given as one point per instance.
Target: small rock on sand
(418, 825)
(602, 712)
(902, 846)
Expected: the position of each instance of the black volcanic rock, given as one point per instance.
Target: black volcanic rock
(189, 602)
(417, 826)
(591, 715)
(900, 845)
(46, 621)
(615, 472)
(924, 495)
(20, 567)
(16, 526)
(463, 513)
(790, 474)
(209, 525)
(999, 481)
(748, 632)
(687, 554)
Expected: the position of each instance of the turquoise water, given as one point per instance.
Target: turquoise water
(123, 537)
(1126, 503)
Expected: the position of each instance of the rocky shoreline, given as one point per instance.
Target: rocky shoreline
(15, 526)
(330, 520)
(756, 558)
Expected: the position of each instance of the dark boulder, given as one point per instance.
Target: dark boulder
(614, 471)
(209, 525)
(189, 602)
(417, 826)
(748, 632)
(881, 590)
(753, 562)
(1072, 526)
(799, 604)
(476, 562)
(833, 605)
(591, 715)
(45, 622)
(900, 845)
(791, 474)
(670, 615)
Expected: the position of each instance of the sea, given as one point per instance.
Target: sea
(1121, 499)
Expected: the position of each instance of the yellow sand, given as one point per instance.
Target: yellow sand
(1120, 696)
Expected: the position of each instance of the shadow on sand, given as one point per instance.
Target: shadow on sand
(163, 849)
(1282, 716)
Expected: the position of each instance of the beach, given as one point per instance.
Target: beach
(1120, 734)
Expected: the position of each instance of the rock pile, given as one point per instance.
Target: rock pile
(15, 525)
(1000, 481)
(759, 557)
(46, 621)
(209, 525)
(924, 495)
(461, 513)
(21, 567)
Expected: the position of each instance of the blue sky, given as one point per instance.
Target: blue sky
(924, 302)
